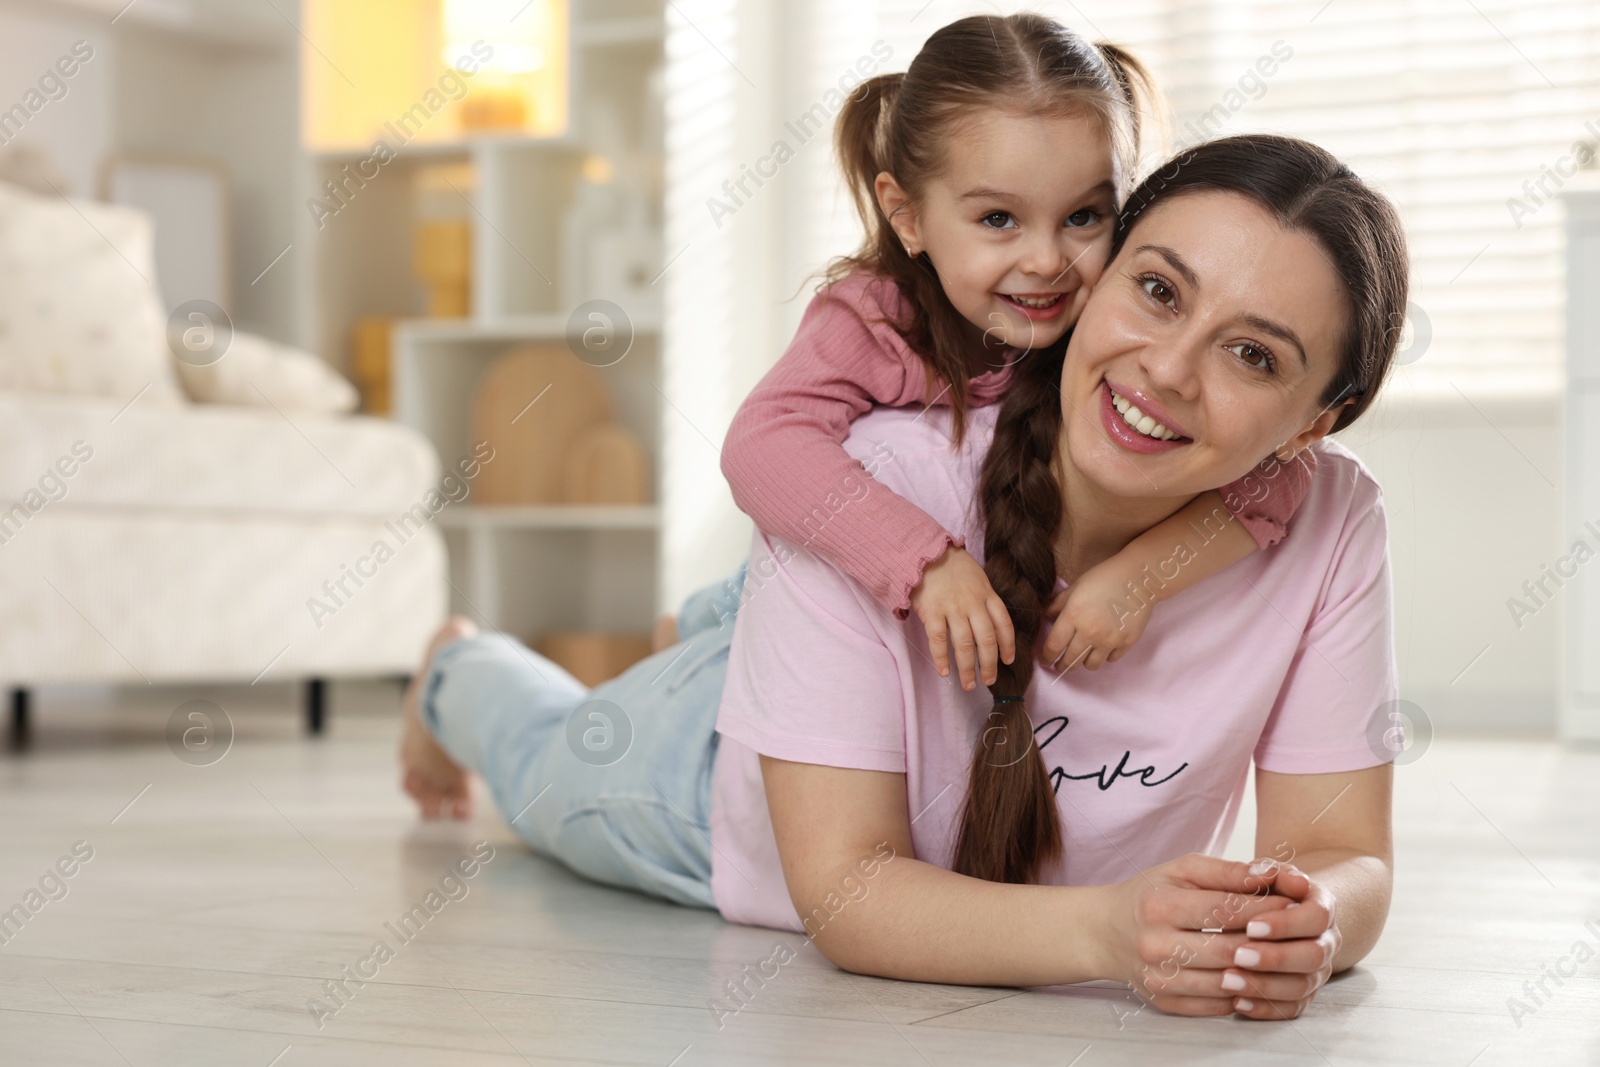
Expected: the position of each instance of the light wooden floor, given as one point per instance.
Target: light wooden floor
(220, 899)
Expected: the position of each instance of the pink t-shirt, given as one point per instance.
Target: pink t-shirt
(1285, 657)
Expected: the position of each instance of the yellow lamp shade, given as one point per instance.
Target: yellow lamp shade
(429, 71)
(520, 32)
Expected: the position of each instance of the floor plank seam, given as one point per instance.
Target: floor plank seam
(303, 1037)
(968, 1007)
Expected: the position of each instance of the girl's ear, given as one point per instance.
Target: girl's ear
(901, 212)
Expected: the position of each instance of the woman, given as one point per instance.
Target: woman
(832, 787)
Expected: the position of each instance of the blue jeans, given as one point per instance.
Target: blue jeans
(614, 782)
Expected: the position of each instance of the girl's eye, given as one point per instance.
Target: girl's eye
(1158, 290)
(997, 220)
(1085, 217)
(1254, 355)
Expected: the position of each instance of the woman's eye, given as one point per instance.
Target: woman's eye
(1159, 291)
(997, 220)
(1086, 217)
(1254, 355)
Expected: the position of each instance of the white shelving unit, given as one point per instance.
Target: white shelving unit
(1580, 671)
(535, 568)
(523, 569)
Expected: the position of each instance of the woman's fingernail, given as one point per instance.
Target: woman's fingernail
(1245, 1004)
(1296, 904)
(1246, 957)
(1232, 982)
(1261, 867)
(1257, 929)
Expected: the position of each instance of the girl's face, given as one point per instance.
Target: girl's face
(1222, 328)
(1018, 222)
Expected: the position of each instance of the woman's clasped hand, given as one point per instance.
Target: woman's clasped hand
(1200, 935)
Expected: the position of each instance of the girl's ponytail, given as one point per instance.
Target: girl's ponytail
(861, 139)
(1144, 102)
(864, 138)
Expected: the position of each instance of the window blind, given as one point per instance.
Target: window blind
(1470, 114)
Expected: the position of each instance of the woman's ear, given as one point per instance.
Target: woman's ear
(1320, 427)
(897, 206)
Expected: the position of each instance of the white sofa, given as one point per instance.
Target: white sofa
(147, 538)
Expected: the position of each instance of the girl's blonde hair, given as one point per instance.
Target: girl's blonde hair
(901, 123)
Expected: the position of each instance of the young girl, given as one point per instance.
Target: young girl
(981, 247)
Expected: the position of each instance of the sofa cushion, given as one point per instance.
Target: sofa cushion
(80, 311)
(60, 452)
(256, 372)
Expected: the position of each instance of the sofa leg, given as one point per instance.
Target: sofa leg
(21, 728)
(316, 706)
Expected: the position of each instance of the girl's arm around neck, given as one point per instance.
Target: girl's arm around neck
(1110, 604)
(786, 464)
(1198, 540)
(873, 908)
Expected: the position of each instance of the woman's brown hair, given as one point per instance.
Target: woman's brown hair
(901, 124)
(1010, 827)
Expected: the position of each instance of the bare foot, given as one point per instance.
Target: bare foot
(665, 634)
(440, 786)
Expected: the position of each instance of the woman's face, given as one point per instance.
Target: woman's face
(1221, 327)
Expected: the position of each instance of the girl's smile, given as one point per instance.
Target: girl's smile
(1040, 307)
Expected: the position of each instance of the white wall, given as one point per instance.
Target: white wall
(738, 71)
(1473, 501)
(721, 333)
(181, 78)
(239, 105)
(75, 129)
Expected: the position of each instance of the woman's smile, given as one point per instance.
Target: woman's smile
(1145, 417)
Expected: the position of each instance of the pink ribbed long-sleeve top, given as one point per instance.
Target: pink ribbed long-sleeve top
(785, 461)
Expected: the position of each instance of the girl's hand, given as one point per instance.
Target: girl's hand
(1295, 949)
(1087, 629)
(957, 604)
(1173, 930)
